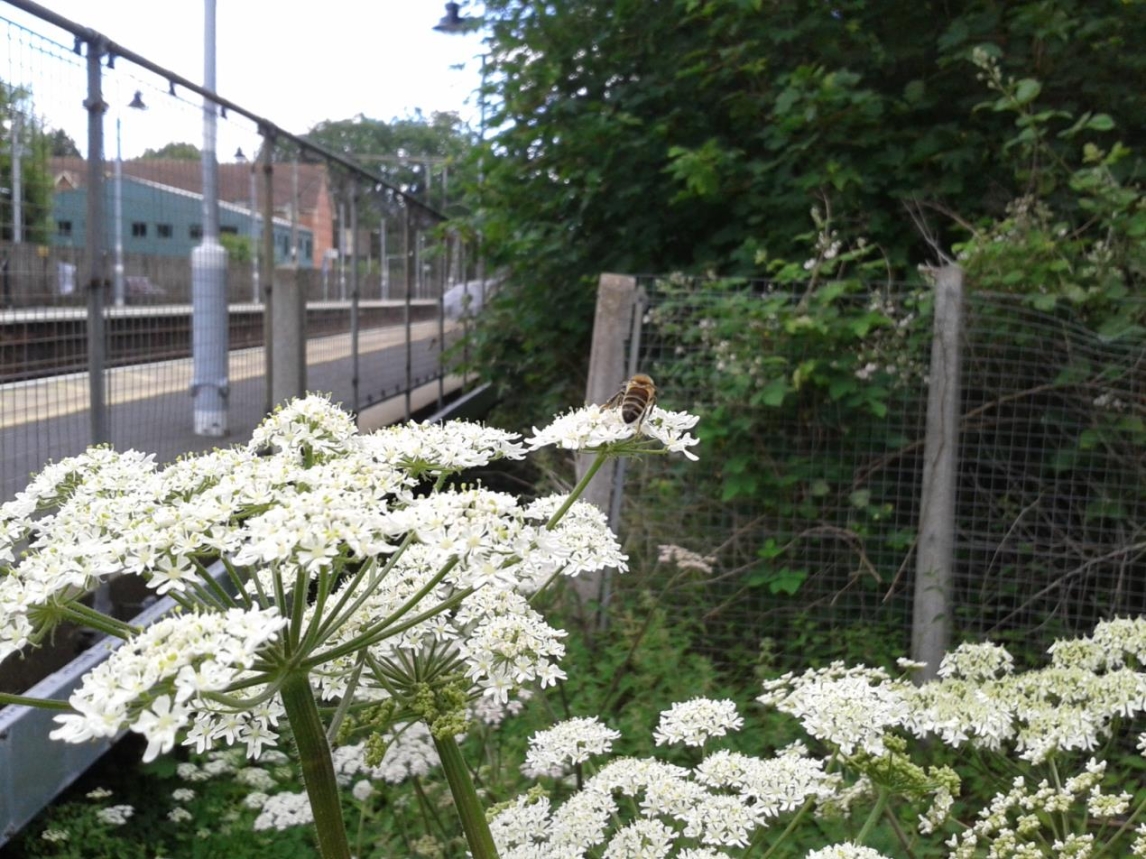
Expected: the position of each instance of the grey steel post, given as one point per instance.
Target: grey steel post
(354, 295)
(267, 263)
(442, 322)
(254, 194)
(94, 245)
(209, 317)
(341, 250)
(408, 247)
(17, 176)
(931, 610)
(384, 285)
(119, 288)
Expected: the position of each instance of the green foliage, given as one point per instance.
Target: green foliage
(692, 136)
(175, 151)
(17, 116)
(420, 155)
(62, 145)
(1077, 232)
(238, 247)
(208, 822)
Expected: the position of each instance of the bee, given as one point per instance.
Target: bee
(635, 399)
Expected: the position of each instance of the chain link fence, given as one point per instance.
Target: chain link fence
(800, 524)
(99, 315)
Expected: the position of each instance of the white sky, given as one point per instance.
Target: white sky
(294, 64)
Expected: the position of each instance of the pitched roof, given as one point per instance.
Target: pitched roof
(234, 179)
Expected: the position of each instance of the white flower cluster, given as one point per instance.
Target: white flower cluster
(851, 708)
(694, 722)
(339, 532)
(685, 559)
(574, 741)
(409, 752)
(846, 851)
(595, 427)
(1012, 817)
(186, 657)
(681, 812)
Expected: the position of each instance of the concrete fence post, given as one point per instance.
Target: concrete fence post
(608, 369)
(932, 605)
(288, 321)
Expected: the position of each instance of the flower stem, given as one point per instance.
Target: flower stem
(39, 703)
(577, 490)
(466, 800)
(100, 622)
(317, 766)
(877, 811)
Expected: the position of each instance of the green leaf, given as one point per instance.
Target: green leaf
(1100, 122)
(1027, 90)
(773, 393)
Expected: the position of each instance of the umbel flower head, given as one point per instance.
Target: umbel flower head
(350, 558)
(595, 428)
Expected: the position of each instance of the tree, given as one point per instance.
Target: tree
(176, 151)
(415, 154)
(697, 135)
(24, 134)
(62, 145)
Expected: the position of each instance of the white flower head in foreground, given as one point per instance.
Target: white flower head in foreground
(573, 741)
(186, 656)
(852, 708)
(694, 722)
(595, 427)
(846, 851)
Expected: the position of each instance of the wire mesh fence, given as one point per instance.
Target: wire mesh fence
(801, 521)
(100, 315)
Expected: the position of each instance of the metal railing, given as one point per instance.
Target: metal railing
(97, 330)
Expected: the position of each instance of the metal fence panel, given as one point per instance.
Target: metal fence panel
(802, 516)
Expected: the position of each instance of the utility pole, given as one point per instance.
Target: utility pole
(209, 317)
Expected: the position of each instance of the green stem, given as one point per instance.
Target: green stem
(877, 811)
(98, 621)
(466, 800)
(577, 490)
(39, 703)
(317, 766)
(790, 828)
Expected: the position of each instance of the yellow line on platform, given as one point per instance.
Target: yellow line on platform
(56, 396)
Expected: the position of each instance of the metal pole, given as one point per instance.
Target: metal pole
(17, 178)
(342, 250)
(385, 260)
(354, 294)
(96, 281)
(442, 323)
(119, 289)
(254, 192)
(409, 289)
(209, 316)
(268, 266)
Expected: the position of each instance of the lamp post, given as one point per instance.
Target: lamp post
(453, 22)
(119, 287)
(209, 317)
